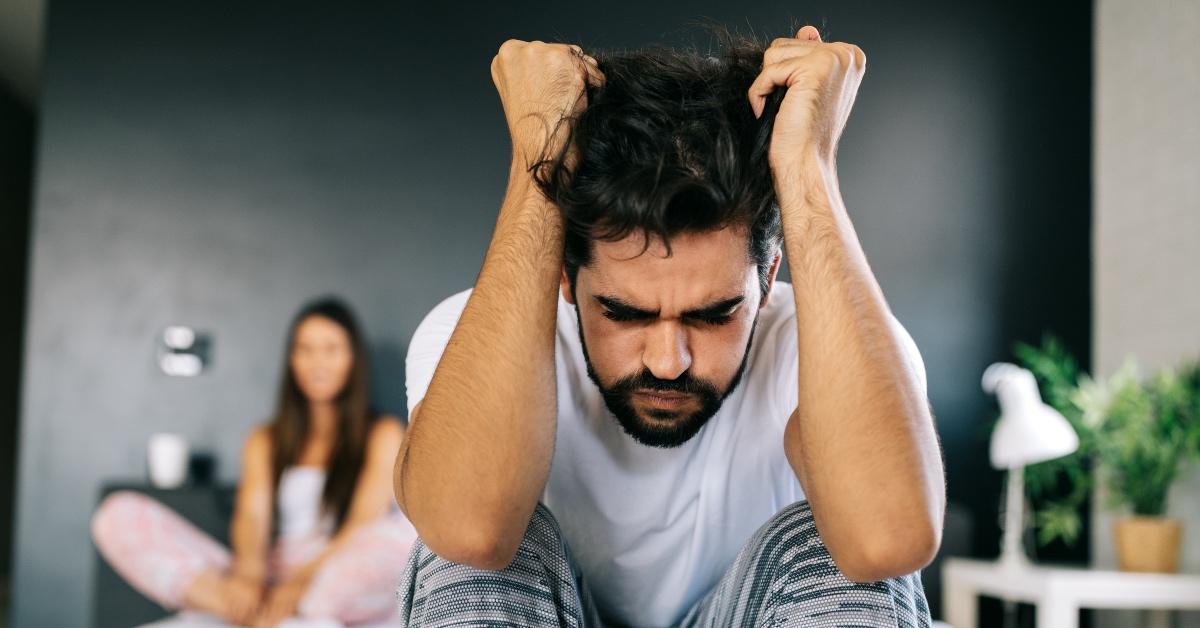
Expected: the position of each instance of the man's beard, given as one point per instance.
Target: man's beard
(682, 427)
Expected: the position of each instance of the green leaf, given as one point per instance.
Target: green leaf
(1059, 520)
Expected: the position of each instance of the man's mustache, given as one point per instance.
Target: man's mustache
(645, 380)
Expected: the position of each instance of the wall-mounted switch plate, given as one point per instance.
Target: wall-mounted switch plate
(183, 351)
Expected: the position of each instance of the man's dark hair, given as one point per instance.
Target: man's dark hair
(668, 144)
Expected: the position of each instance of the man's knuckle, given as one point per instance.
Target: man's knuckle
(850, 55)
(828, 57)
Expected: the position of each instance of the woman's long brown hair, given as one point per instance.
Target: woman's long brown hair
(289, 428)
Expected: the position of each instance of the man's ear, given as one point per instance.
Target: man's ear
(565, 286)
(771, 278)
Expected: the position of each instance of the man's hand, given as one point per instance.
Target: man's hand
(539, 84)
(821, 81)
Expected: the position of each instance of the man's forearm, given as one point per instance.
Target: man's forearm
(862, 440)
(477, 457)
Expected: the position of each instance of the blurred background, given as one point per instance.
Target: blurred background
(1012, 169)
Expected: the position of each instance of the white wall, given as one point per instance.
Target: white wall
(1146, 243)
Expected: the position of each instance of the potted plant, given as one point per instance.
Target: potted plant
(1144, 430)
(1135, 432)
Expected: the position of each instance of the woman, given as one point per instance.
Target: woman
(315, 531)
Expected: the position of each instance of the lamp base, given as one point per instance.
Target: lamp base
(1012, 551)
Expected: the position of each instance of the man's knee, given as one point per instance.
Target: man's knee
(790, 528)
(807, 580)
(542, 537)
(537, 588)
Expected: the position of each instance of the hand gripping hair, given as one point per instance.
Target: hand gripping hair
(668, 144)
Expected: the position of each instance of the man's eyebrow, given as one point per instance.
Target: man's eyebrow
(720, 308)
(717, 308)
(615, 304)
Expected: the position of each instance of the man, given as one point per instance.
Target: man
(628, 419)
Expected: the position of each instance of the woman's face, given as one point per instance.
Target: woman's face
(321, 358)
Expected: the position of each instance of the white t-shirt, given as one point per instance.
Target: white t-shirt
(654, 529)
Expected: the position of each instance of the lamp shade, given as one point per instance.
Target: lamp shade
(1029, 431)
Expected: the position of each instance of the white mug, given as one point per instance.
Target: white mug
(167, 458)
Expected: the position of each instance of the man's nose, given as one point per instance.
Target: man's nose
(666, 353)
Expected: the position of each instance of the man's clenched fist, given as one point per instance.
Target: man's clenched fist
(821, 81)
(539, 84)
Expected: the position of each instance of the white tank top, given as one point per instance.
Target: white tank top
(299, 502)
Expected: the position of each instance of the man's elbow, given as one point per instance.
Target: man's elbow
(893, 554)
(481, 550)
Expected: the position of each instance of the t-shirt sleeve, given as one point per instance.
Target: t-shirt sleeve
(427, 344)
(787, 362)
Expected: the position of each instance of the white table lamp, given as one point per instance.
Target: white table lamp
(1029, 431)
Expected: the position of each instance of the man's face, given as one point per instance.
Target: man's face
(666, 338)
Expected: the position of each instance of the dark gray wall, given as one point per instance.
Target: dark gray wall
(216, 164)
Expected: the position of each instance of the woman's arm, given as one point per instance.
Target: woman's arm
(252, 513)
(372, 493)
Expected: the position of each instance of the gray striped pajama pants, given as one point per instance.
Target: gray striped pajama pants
(783, 576)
